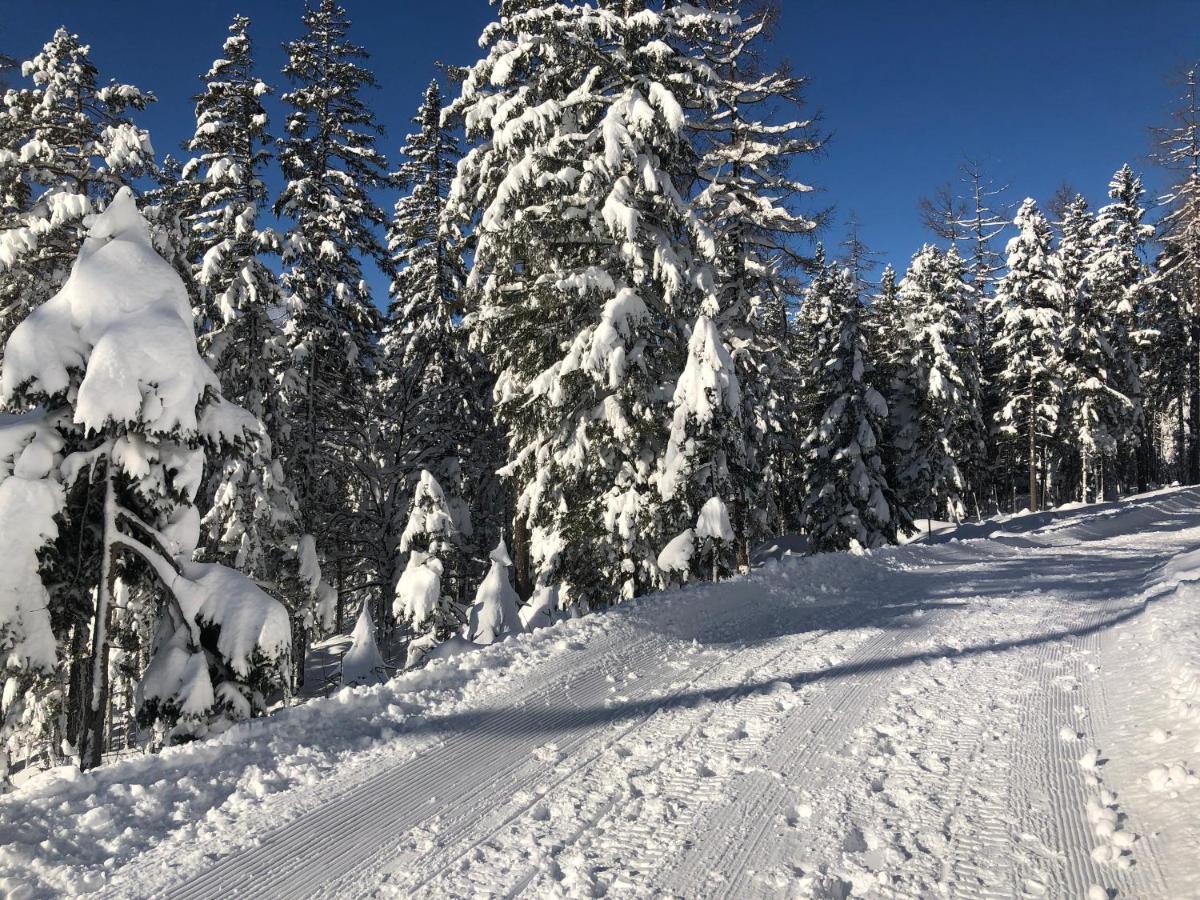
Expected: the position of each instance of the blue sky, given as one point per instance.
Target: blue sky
(1050, 91)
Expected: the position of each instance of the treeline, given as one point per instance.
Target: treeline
(610, 344)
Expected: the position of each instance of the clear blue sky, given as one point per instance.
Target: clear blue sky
(1047, 90)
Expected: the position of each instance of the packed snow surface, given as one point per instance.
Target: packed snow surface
(1012, 711)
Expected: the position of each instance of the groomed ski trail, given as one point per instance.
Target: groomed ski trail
(956, 720)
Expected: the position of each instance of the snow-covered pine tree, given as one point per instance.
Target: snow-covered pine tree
(974, 216)
(847, 500)
(706, 452)
(1118, 278)
(433, 391)
(587, 269)
(750, 140)
(1095, 412)
(251, 522)
(940, 368)
(1179, 264)
(331, 164)
(68, 145)
(494, 614)
(118, 413)
(424, 603)
(1031, 296)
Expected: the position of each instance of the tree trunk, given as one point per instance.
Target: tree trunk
(521, 575)
(1193, 465)
(1085, 463)
(91, 747)
(1033, 474)
(341, 595)
(1180, 435)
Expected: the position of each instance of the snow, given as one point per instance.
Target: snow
(883, 724)
(135, 334)
(713, 521)
(362, 663)
(494, 614)
(419, 590)
(677, 555)
(249, 621)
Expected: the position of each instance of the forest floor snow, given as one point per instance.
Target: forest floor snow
(1011, 709)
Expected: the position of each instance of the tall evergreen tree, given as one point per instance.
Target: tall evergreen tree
(1179, 151)
(750, 140)
(589, 266)
(331, 164)
(1031, 298)
(847, 500)
(119, 411)
(1117, 277)
(706, 452)
(252, 519)
(432, 389)
(945, 438)
(1095, 411)
(71, 145)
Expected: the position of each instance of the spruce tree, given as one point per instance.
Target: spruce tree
(1031, 298)
(432, 389)
(252, 520)
(751, 140)
(706, 451)
(589, 266)
(1179, 152)
(331, 164)
(433, 544)
(940, 367)
(1117, 278)
(71, 144)
(118, 414)
(1095, 411)
(847, 500)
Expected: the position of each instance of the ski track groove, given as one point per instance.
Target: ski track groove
(287, 853)
(678, 730)
(404, 798)
(468, 827)
(802, 751)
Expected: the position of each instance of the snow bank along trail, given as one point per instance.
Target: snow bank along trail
(1016, 714)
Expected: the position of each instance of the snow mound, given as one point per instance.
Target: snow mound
(362, 663)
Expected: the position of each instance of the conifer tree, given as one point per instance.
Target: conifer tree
(751, 139)
(589, 266)
(1117, 278)
(433, 543)
(494, 614)
(252, 519)
(1179, 152)
(847, 500)
(1031, 298)
(940, 367)
(706, 451)
(1095, 412)
(68, 145)
(118, 413)
(432, 389)
(331, 164)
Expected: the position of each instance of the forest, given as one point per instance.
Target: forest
(617, 355)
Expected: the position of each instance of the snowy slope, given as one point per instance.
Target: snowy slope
(1016, 714)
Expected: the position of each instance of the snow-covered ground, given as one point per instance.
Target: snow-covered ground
(1013, 714)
